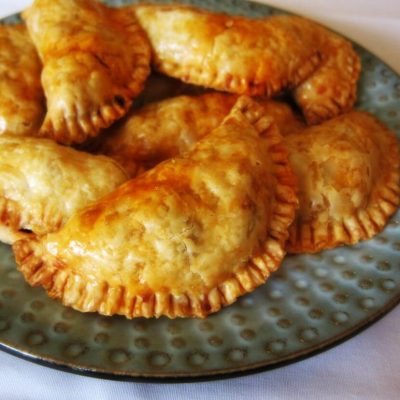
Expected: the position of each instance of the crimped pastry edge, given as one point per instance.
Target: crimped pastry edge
(312, 237)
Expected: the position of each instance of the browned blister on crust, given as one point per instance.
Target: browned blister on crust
(95, 61)
(183, 239)
(349, 181)
(171, 127)
(22, 105)
(42, 184)
(254, 56)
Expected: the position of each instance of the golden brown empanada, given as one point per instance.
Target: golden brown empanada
(332, 88)
(181, 240)
(43, 183)
(22, 105)
(168, 128)
(255, 57)
(349, 181)
(95, 60)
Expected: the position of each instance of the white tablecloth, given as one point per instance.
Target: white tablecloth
(365, 367)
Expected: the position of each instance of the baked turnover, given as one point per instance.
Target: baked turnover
(171, 127)
(43, 183)
(183, 239)
(95, 61)
(255, 56)
(349, 181)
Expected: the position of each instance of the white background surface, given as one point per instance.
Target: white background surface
(365, 367)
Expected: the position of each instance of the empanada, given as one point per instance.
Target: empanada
(332, 89)
(95, 60)
(43, 183)
(254, 57)
(349, 181)
(181, 240)
(168, 128)
(22, 104)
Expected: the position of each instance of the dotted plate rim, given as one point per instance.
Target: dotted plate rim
(211, 375)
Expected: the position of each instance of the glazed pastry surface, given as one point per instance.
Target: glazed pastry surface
(95, 61)
(43, 183)
(22, 105)
(171, 127)
(348, 171)
(185, 238)
(254, 56)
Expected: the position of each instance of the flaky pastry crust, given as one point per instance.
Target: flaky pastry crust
(22, 105)
(95, 61)
(171, 127)
(254, 56)
(349, 181)
(43, 183)
(185, 238)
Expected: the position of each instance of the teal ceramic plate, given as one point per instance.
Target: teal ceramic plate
(312, 302)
